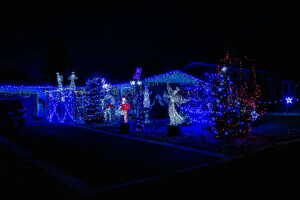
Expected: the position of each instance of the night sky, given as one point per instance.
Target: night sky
(116, 36)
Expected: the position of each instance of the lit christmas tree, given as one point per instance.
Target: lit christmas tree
(96, 91)
(235, 104)
(225, 106)
(248, 92)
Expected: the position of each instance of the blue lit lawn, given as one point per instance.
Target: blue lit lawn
(270, 129)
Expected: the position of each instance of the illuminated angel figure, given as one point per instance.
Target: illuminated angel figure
(59, 80)
(174, 98)
(72, 78)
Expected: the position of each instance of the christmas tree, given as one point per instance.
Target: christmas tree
(95, 89)
(225, 105)
(235, 103)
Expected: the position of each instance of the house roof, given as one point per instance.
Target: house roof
(175, 76)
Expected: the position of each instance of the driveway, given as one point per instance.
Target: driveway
(99, 159)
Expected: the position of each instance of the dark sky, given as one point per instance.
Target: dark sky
(168, 34)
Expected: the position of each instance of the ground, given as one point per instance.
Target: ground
(269, 130)
(100, 160)
(103, 162)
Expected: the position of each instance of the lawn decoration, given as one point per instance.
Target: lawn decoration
(147, 105)
(174, 99)
(60, 79)
(96, 89)
(72, 77)
(61, 102)
(125, 107)
(235, 103)
(109, 104)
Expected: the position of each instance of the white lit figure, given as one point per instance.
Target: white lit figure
(254, 115)
(289, 100)
(109, 101)
(146, 101)
(72, 77)
(147, 105)
(59, 80)
(175, 118)
(224, 69)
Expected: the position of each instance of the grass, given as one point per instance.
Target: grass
(271, 128)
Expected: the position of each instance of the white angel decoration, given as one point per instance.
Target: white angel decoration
(59, 81)
(72, 78)
(175, 118)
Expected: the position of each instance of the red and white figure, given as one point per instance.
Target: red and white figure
(125, 107)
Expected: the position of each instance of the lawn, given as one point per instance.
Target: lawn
(269, 130)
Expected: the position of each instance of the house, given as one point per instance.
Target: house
(275, 85)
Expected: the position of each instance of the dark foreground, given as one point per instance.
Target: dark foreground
(272, 173)
(96, 159)
(101, 160)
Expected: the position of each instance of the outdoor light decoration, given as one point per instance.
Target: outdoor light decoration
(146, 103)
(125, 107)
(109, 102)
(254, 115)
(137, 84)
(132, 82)
(61, 101)
(138, 74)
(289, 100)
(96, 88)
(59, 81)
(234, 103)
(72, 77)
(174, 98)
(159, 99)
(198, 109)
(61, 110)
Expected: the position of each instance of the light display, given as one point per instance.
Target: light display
(109, 105)
(96, 89)
(254, 115)
(174, 99)
(225, 105)
(147, 105)
(72, 77)
(59, 80)
(62, 101)
(137, 84)
(138, 74)
(125, 107)
(198, 108)
(235, 104)
(146, 101)
(159, 99)
(289, 100)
